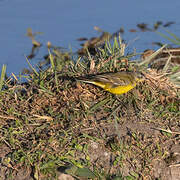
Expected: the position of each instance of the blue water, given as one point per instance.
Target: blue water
(63, 21)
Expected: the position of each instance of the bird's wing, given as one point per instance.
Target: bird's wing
(114, 79)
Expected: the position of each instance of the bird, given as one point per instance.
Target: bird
(115, 82)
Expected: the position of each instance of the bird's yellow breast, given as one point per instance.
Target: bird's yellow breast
(117, 89)
(120, 89)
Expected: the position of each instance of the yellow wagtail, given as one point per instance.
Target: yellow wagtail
(115, 83)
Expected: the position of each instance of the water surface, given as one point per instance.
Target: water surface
(63, 21)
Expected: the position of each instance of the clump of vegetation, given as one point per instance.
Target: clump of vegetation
(52, 125)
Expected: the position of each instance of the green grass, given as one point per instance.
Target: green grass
(3, 73)
(171, 37)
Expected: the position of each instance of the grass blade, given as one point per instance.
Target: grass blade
(33, 69)
(173, 35)
(168, 38)
(51, 60)
(3, 73)
(149, 58)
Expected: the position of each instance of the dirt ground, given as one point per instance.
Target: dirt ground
(91, 127)
(165, 166)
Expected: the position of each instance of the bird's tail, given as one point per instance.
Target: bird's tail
(86, 80)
